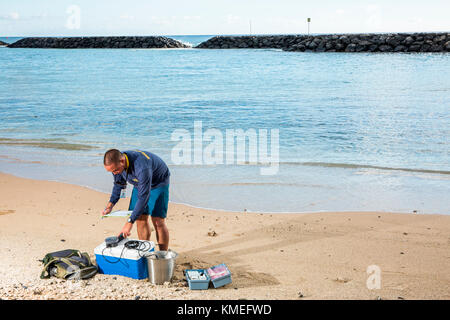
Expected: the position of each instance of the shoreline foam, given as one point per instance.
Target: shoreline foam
(231, 211)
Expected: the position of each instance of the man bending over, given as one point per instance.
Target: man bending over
(150, 197)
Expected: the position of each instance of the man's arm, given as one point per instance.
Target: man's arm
(119, 184)
(144, 186)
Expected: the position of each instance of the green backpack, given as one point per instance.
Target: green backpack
(68, 264)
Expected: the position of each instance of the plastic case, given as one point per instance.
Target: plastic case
(219, 275)
(197, 284)
(122, 261)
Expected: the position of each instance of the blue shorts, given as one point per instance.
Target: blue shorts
(157, 203)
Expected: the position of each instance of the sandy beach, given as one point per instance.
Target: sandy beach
(271, 256)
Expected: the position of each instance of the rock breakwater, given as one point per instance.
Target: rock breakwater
(393, 42)
(97, 42)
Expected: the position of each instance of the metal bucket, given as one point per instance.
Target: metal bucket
(161, 265)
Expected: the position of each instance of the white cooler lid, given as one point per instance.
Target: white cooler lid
(121, 251)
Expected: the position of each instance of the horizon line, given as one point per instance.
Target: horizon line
(227, 34)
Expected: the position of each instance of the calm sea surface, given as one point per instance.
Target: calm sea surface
(356, 131)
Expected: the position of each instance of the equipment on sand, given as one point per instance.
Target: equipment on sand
(68, 264)
(199, 279)
(161, 265)
(113, 241)
(125, 257)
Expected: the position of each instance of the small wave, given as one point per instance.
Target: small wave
(46, 143)
(363, 166)
(274, 183)
(16, 160)
(186, 43)
(8, 159)
(290, 184)
(320, 164)
(262, 184)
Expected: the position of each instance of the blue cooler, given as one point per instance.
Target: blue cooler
(122, 261)
(220, 275)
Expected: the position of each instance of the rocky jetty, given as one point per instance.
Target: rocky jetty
(3, 44)
(393, 42)
(98, 42)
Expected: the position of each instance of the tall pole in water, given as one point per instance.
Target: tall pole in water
(309, 20)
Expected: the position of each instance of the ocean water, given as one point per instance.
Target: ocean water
(356, 131)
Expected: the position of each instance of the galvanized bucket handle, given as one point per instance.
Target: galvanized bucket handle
(151, 255)
(175, 255)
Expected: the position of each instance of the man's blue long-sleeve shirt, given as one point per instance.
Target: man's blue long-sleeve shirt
(145, 171)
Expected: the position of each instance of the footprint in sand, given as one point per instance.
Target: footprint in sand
(2, 212)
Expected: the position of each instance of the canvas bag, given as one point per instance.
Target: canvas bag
(68, 264)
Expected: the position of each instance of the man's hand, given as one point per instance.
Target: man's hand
(126, 230)
(108, 209)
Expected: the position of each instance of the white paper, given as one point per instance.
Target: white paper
(118, 213)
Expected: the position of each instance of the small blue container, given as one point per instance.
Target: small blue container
(197, 284)
(220, 275)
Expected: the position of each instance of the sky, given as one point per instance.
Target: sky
(211, 17)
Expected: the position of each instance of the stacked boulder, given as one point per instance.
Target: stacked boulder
(3, 44)
(98, 42)
(254, 42)
(393, 42)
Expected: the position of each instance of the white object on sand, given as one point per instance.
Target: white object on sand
(118, 213)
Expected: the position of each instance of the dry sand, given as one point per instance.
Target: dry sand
(271, 256)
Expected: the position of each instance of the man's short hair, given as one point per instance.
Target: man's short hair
(112, 156)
